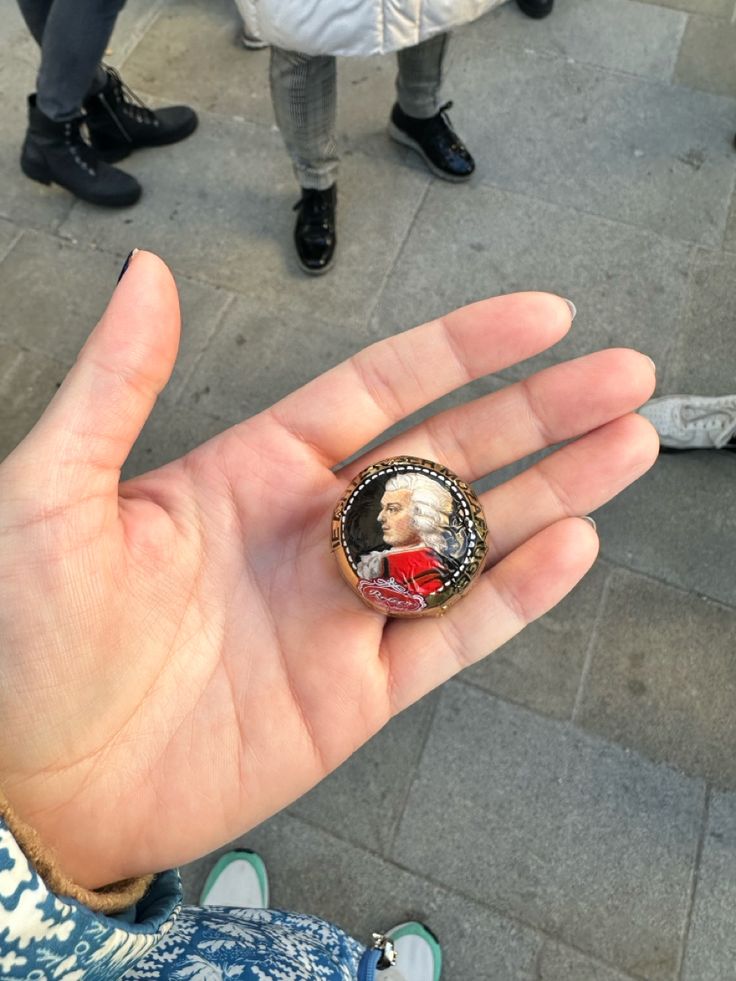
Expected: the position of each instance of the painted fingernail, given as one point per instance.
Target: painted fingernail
(126, 264)
(591, 522)
(573, 308)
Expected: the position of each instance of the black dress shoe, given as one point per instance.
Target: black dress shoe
(118, 122)
(56, 152)
(536, 8)
(435, 141)
(314, 233)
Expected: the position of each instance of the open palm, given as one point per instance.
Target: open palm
(179, 654)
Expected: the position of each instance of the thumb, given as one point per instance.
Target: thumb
(83, 438)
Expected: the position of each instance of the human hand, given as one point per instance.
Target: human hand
(180, 656)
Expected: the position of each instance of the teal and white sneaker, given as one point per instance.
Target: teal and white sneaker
(418, 953)
(239, 878)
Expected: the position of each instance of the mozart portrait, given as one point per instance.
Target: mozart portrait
(424, 541)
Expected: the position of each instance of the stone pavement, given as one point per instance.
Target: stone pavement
(565, 811)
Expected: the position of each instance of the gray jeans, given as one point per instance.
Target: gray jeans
(304, 97)
(72, 35)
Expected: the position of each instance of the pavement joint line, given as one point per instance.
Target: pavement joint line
(13, 242)
(504, 915)
(177, 395)
(397, 254)
(394, 830)
(140, 31)
(530, 52)
(678, 48)
(590, 646)
(726, 607)
(694, 879)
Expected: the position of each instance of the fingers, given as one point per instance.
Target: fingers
(575, 480)
(344, 409)
(421, 654)
(556, 404)
(80, 443)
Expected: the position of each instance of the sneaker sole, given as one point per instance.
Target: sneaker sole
(430, 937)
(257, 864)
(253, 45)
(399, 136)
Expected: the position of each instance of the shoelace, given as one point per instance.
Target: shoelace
(132, 104)
(316, 209)
(443, 126)
(83, 154)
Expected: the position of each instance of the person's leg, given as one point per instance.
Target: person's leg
(73, 35)
(417, 118)
(419, 78)
(304, 95)
(34, 14)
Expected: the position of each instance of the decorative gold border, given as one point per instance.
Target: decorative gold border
(472, 565)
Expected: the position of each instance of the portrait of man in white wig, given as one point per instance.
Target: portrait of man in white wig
(424, 543)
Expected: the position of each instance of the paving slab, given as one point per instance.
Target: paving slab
(580, 838)
(661, 678)
(466, 243)
(654, 155)
(712, 8)
(362, 801)
(260, 355)
(231, 186)
(56, 292)
(313, 872)
(711, 948)
(621, 35)
(702, 359)
(9, 235)
(542, 666)
(28, 382)
(707, 58)
(676, 524)
(729, 242)
(192, 53)
(170, 432)
(560, 963)
(130, 27)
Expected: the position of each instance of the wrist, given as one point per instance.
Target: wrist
(109, 899)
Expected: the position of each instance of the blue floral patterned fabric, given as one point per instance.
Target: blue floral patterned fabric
(46, 938)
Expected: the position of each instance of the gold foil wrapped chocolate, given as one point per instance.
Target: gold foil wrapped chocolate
(410, 537)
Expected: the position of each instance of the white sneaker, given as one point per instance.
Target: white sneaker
(239, 878)
(692, 422)
(251, 41)
(418, 954)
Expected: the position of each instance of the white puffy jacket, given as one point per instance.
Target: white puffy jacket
(355, 27)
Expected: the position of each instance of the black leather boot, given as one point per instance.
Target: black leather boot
(435, 141)
(118, 122)
(314, 233)
(56, 152)
(536, 8)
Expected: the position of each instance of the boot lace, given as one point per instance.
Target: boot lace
(316, 207)
(82, 153)
(131, 104)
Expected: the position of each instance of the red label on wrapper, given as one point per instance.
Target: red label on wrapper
(389, 595)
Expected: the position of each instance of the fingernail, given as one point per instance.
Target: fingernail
(591, 522)
(573, 308)
(654, 367)
(126, 264)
